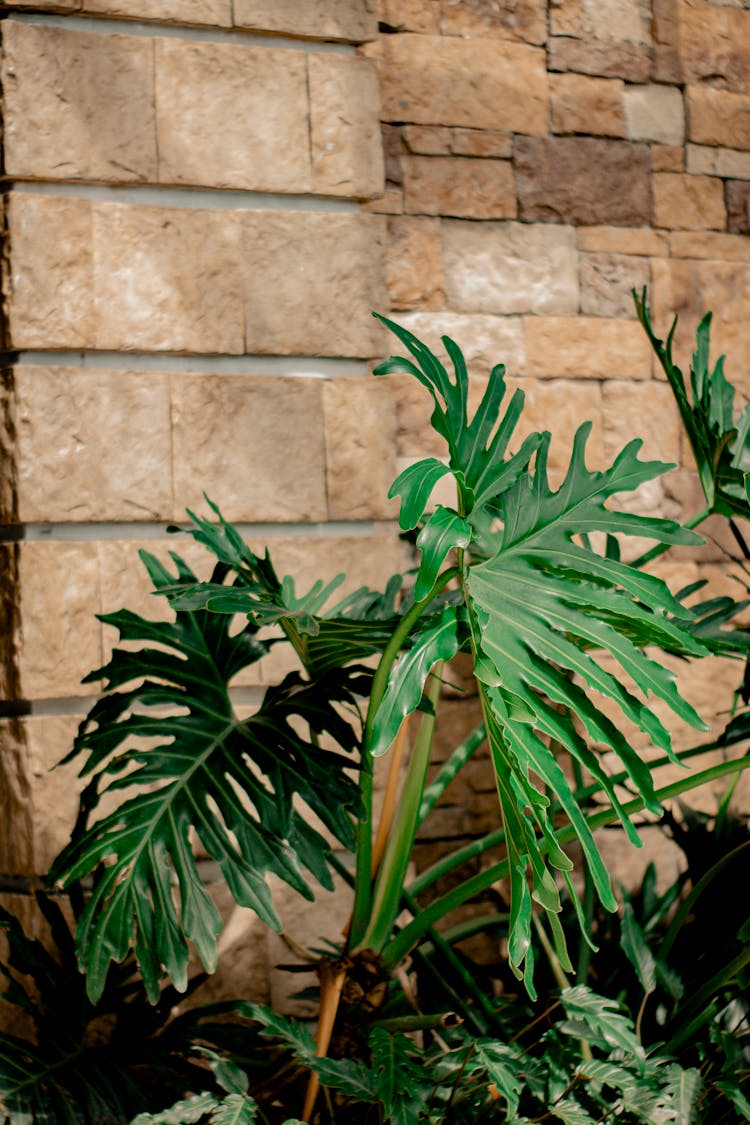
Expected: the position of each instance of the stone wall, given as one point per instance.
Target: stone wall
(204, 199)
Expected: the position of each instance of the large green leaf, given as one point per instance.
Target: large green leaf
(232, 782)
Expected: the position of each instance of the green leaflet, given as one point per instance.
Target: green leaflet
(437, 640)
(414, 485)
(233, 782)
(444, 530)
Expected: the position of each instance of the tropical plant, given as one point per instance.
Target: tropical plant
(528, 581)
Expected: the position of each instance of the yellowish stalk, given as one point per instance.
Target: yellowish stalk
(332, 977)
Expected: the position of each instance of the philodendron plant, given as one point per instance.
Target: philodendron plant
(525, 578)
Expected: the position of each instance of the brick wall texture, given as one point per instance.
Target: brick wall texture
(202, 202)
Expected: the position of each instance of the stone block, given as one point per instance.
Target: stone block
(254, 444)
(410, 15)
(216, 13)
(347, 156)
(92, 445)
(607, 282)
(510, 267)
(414, 264)
(60, 639)
(328, 268)
(708, 244)
(581, 104)
(689, 287)
(351, 20)
(16, 809)
(655, 113)
(484, 84)
(440, 140)
(50, 286)
(8, 424)
(360, 442)
(167, 279)
(586, 347)
(668, 158)
(390, 202)
(738, 206)
(582, 180)
(228, 137)
(525, 20)
(484, 340)
(718, 117)
(724, 162)
(605, 21)
(77, 106)
(54, 791)
(617, 240)
(459, 186)
(631, 61)
(667, 65)
(688, 202)
(714, 43)
(642, 410)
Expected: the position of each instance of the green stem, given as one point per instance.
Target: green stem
(687, 905)
(462, 855)
(411, 934)
(363, 874)
(700, 999)
(418, 1023)
(660, 548)
(389, 883)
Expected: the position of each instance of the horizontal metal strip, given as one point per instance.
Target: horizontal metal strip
(192, 198)
(319, 367)
(153, 29)
(91, 532)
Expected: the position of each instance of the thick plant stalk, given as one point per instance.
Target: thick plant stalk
(389, 800)
(332, 977)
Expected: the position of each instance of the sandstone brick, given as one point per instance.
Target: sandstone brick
(718, 117)
(54, 791)
(643, 410)
(410, 15)
(609, 21)
(667, 65)
(655, 113)
(586, 347)
(253, 444)
(587, 105)
(510, 267)
(617, 240)
(347, 157)
(738, 206)
(93, 445)
(228, 137)
(485, 84)
(167, 279)
(708, 244)
(715, 45)
(360, 431)
(414, 264)
(77, 106)
(351, 20)
(561, 406)
(525, 20)
(668, 158)
(690, 287)
(16, 821)
(328, 268)
(50, 286)
(607, 282)
(581, 180)
(631, 61)
(688, 202)
(389, 202)
(9, 474)
(217, 13)
(440, 140)
(60, 636)
(725, 162)
(459, 186)
(242, 950)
